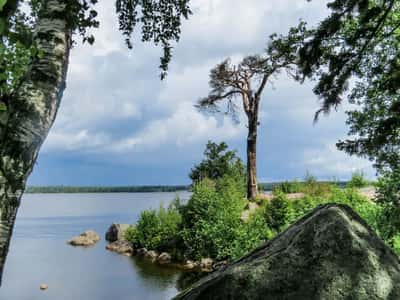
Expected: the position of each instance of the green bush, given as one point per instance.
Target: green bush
(277, 211)
(287, 187)
(357, 180)
(157, 230)
(388, 196)
(251, 234)
(396, 243)
(302, 206)
(212, 217)
(218, 162)
(312, 187)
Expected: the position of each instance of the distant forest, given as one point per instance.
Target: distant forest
(106, 189)
(270, 186)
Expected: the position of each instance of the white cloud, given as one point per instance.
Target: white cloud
(329, 160)
(82, 140)
(184, 127)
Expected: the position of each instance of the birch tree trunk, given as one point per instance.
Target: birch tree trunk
(31, 113)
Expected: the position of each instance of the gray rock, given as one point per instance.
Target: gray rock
(330, 253)
(141, 252)
(164, 258)
(121, 247)
(220, 265)
(206, 264)
(85, 239)
(189, 265)
(151, 255)
(116, 232)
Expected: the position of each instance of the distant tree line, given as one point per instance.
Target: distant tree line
(106, 189)
(266, 186)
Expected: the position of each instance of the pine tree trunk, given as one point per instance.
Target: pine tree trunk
(31, 113)
(252, 188)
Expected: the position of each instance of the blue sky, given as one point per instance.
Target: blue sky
(118, 124)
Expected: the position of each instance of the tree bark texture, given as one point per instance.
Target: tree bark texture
(252, 187)
(31, 113)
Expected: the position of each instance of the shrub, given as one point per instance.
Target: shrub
(131, 234)
(218, 162)
(212, 217)
(302, 206)
(357, 180)
(157, 230)
(251, 234)
(396, 243)
(277, 212)
(388, 195)
(312, 187)
(287, 187)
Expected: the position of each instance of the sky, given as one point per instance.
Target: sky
(119, 124)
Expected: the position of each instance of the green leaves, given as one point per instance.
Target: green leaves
(3, 107)
(355, 53)
(2, 26)
(218, 161)
(160, 22)
(2, 3)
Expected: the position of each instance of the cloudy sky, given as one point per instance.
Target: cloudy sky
(120, 125)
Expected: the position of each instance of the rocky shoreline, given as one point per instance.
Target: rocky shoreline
(117, 243)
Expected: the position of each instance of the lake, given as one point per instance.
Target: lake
(39, 253)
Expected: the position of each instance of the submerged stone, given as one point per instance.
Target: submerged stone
(331, 253)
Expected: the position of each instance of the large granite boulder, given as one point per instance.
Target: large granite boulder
(116, 232)
(331, 253)
(85, 239)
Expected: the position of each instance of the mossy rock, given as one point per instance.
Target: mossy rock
(331, 253)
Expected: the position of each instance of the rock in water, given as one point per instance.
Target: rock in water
(43, 287)
(85, 239)
(116, 232)
(331, 253)
(122, 247)
(164, 258)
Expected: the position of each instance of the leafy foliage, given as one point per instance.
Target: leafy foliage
(388, 195)
(276, 212)
(211, 219)
(160, 22)
(156, 230)
(218, 161)
(287, 187)
(357, 180)
(251, 234)
(355, 52)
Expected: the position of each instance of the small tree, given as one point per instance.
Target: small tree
(218, 161)
(246, 81)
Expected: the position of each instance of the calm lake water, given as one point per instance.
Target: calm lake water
(39, 254)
